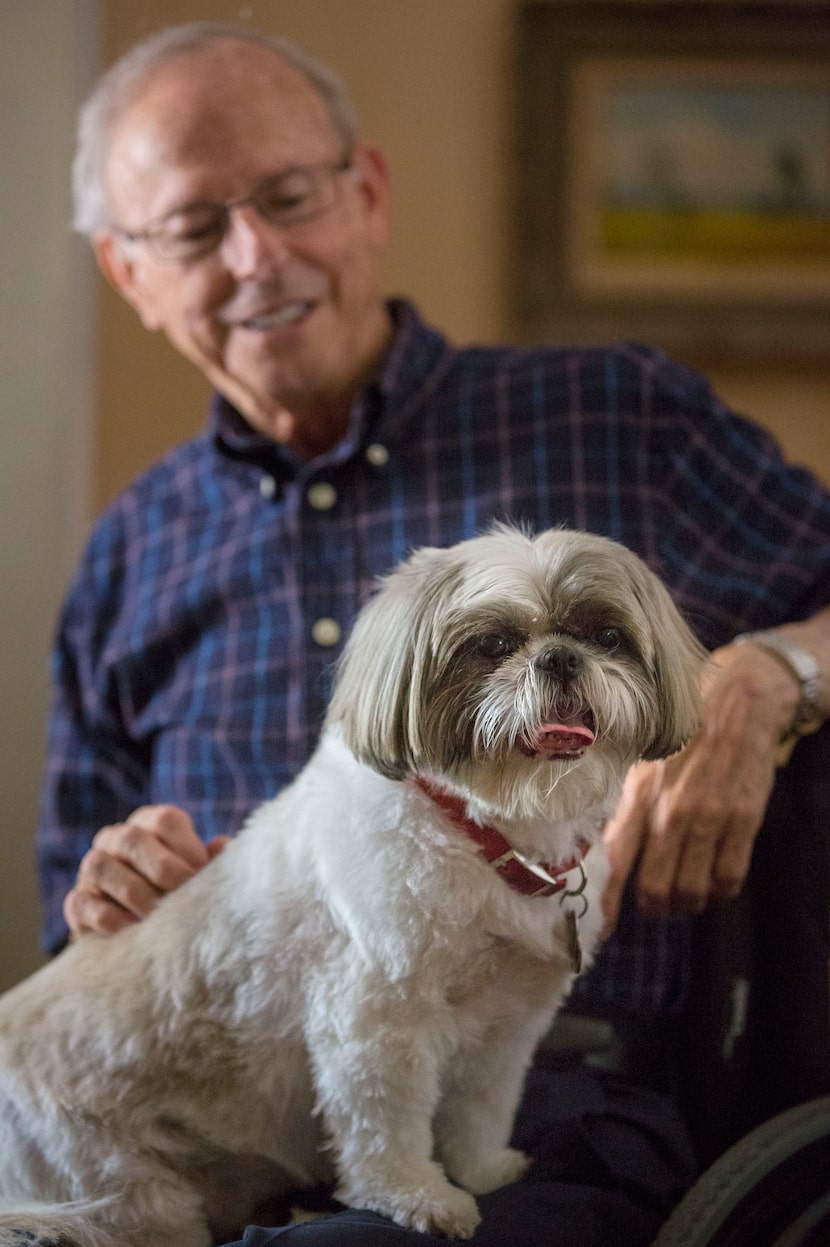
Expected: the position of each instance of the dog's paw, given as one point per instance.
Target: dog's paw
(481, 1174)
(435, 1207)
(449, 1212)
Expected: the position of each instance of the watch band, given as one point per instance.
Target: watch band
(804, 669)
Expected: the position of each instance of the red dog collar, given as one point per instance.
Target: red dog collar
(529, 878)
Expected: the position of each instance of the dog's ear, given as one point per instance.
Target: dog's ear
(387, 667)
(677, 664)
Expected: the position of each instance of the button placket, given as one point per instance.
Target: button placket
(326, 632)
(321, 496)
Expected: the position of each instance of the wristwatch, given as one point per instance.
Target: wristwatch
(804, 669)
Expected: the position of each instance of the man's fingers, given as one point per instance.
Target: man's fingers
(623, 839)
(703, 821)
(613, 892)
(693, 860)
(686, 830)
(676, 870)
(161, 849)
(111, 878)
(86, 910)
(131, 865)
(732, 863)
(174, 828)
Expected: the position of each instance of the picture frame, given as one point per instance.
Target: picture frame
(673, 174)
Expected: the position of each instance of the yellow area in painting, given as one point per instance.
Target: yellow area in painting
(724, 238)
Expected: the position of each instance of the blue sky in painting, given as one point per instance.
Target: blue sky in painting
(717, 145)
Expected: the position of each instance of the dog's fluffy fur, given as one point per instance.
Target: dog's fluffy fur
(350, 992)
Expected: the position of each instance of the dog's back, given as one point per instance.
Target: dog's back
(137, 1064)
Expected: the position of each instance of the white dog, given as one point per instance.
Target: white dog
(353, 990)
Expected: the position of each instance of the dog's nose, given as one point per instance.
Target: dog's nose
(562, 661)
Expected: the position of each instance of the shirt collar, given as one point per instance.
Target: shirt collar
(399, 379)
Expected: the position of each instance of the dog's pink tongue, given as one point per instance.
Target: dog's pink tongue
(563, 740)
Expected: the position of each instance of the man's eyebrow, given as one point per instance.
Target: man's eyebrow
(191, 205)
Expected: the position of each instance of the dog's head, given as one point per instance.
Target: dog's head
(509, 664)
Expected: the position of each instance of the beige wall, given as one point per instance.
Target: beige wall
(432, 81)
(44, 364)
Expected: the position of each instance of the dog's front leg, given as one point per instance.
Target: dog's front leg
(377, 1088)
(474, 1120)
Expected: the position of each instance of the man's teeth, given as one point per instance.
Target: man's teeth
(271, 320)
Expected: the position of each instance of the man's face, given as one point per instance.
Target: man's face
(276, 317)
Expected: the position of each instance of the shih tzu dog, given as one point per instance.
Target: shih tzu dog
(353, 990)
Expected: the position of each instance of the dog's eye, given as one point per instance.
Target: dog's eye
(493, 646)
(609, 638)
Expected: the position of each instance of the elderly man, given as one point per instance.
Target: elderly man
(228, 198)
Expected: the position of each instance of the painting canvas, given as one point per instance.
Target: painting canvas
(697, 179)
(673, 176)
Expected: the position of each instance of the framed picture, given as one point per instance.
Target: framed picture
(674, 175)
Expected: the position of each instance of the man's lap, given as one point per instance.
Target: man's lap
(610, 1160)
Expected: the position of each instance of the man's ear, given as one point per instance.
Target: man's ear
(125, 276)
(373, 173)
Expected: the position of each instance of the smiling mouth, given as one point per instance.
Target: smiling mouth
(288, 314)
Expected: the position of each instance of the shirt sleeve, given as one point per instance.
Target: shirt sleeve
(747, 544)
(94, 774)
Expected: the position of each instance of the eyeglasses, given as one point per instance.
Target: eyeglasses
(285, 199)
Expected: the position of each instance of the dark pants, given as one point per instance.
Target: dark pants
(610, 1159)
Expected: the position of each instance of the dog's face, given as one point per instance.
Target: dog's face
(514, 665)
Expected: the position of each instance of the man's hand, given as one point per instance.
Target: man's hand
(131, 865)
(691, 819)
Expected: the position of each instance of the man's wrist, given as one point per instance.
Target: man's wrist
(805, 671)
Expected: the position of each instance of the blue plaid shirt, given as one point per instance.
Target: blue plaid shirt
(194, 655)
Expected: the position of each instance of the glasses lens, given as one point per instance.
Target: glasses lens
(285, 199)
(296, 195)
(186, 235)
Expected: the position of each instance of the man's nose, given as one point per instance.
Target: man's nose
(250, 241)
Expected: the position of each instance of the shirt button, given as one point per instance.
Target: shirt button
(267, 486)
(377, 455)
(322, 496)
(326, 632)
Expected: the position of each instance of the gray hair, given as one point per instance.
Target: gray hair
(123, 82)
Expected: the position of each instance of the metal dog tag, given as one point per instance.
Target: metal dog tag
(572, 940)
